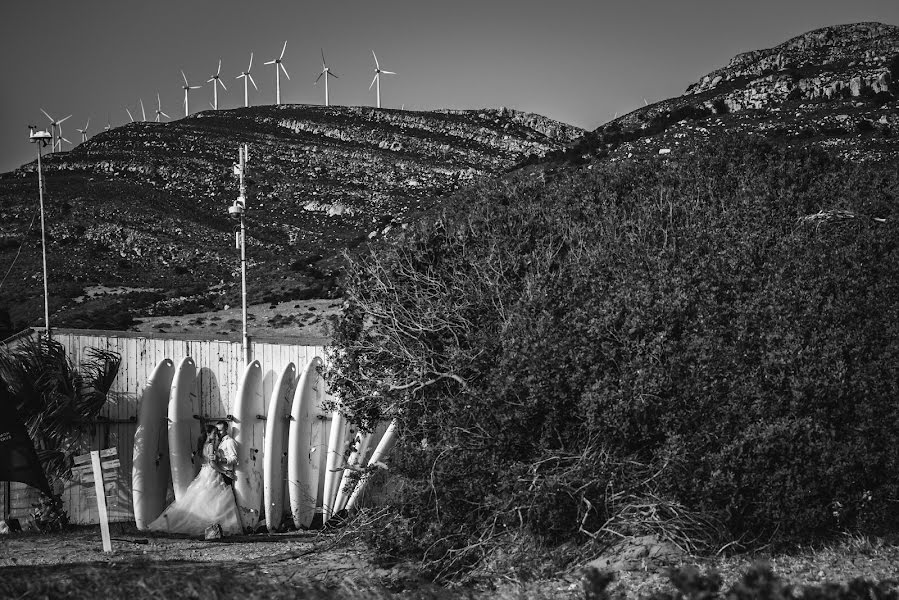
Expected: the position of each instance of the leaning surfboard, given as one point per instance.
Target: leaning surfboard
(381, 452)
(274, 457)
(248, 430)
(363, 445)
(302, 471)
(337, 442)
(184, 429)
(150, 469)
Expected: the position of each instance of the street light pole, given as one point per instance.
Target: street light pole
(41, 138)
(238, 210)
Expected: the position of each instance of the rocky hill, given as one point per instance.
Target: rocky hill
(835, 87)
(141, 210)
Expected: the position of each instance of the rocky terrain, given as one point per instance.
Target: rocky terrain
(144, 206)
(835, 87)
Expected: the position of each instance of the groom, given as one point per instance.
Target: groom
(227, 453)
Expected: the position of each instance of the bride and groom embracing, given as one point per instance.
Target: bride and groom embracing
(209, 499)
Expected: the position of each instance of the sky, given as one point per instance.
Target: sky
(577, 61)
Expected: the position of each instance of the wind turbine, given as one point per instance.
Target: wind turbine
(377, 79)
(55, 132)
(246, 76)
(159, 112)
(83, 132)
(216, 81)
(326, 72)
(278, 68)
(187, 87)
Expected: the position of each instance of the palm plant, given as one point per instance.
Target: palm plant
(55, 398)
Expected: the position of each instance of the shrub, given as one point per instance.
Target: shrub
(703, 317)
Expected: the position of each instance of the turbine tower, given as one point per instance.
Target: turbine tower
(377, 79)
(246, 76)
(159, 112)
(56, 138)
(187, 88)
(278, 68)
(216, 81)
(83, 132)
(326, 72)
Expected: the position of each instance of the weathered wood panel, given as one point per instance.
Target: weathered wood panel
(220, 365)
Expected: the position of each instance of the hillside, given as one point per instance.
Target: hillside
(142, 208)
(834, 87)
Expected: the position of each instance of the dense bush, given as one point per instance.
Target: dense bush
(727, 322)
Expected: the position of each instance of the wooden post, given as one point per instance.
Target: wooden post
(101, 500)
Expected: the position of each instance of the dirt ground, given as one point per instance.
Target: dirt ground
(299, 318)
(331, 565)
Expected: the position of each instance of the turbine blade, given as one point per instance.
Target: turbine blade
(183, 76)
(64, 139)
(323, 60)
(285, 70)
(271, 62)
(223, 84)
(333, 75)
(250, 68)
(253, 81)
(283, 50)
(158, 101)
(319, 77)
(62, 120)
(217, 73)
(194, 87)
(88, 123)
(129, 115)
(377, 66)
(389, 72)
(164, 115)
(373, 81)
(241, 75)
(52, 120)
(210, 79)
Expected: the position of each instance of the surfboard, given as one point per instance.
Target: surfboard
(358, 458)
(381, 451)
(150, 467)
(184, 430)
(274, 457)
(304, 430)
(337, 438)
(248, 430)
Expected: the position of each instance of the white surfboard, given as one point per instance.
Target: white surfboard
(363, 446)
(381, 452)
(184, 429)
(305, 428)
(150, 470)
(248, 430)
(337, 438)
(274, 459)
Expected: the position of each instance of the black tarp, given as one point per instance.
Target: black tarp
(18, 460)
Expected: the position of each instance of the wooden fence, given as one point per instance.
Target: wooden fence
(220, 365)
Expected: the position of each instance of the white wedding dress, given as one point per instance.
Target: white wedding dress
(208, 500)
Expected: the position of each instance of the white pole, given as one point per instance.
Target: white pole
(378, 84)
(246, 93)
(215, 94)
(278, 84)
(326, 88)
(243, 253)
(40, 185)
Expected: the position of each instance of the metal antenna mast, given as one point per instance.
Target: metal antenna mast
(238, 211)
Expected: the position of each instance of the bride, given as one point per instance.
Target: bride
(208, 499)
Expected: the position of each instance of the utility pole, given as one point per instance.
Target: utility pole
(238, 211)
(41, 138)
